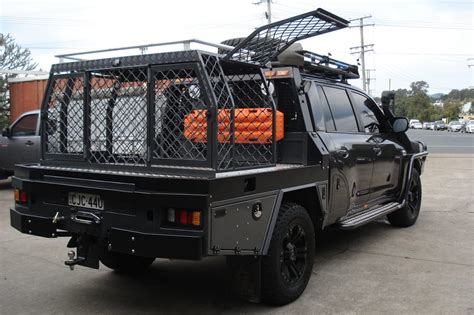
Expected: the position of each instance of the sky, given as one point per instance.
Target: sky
(413, 39)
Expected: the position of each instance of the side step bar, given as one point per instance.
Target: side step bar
(359, 219)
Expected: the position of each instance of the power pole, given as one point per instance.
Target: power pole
(470, 62)
(268, 13)
(369, 78)
(363, 48)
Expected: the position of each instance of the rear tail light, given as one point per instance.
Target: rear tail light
(183, 217)
(21, 196)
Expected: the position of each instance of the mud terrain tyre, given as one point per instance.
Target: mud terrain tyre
(408, 215)
(124, 263)
(288, 266)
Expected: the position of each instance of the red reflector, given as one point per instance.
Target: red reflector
(183, 217)
(23, 197)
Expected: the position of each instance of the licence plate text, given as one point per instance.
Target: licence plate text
(85, 201)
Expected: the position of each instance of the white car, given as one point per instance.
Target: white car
(415, 124)
(454, 126)
(468, 126)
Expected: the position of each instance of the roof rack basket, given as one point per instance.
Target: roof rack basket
(267, 42)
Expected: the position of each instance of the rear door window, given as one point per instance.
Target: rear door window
(26, 126)
(341, 109)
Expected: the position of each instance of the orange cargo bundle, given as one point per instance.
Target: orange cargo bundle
(251, 125)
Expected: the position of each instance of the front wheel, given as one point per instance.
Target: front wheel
(124, 263)
(408, 215)
(287, 267)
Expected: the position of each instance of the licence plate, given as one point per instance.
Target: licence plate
(89, 201)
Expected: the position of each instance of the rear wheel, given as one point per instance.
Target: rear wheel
(408, 215)
(287, 267)
(124, 263)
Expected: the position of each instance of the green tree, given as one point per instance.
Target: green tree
(415, 102)
(14, 57)
(419, 87)
(451, 109)
(401, 102)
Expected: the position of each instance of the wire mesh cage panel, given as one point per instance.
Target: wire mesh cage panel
(118, 116)
(225, 112)
(245, 117)
(63, 130)
(254, 121)
(177, 93)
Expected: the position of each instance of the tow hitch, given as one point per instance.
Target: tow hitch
(71, 262)
(88, 252)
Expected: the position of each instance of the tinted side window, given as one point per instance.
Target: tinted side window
(329, 121)
(341, 110)
(362, 105)
(25, 126)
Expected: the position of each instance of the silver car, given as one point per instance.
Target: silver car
(20, 143)
(468, 126)
(454, 126)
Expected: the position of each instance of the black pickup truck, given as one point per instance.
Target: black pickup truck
(190, 154)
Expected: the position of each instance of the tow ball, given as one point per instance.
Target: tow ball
(73, 260)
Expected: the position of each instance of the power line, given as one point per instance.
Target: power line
(421, 54)
(426, 26)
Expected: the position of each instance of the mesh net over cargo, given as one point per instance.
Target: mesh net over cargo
(162, 111)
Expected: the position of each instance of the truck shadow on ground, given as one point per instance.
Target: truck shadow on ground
(197, 287)
(5, 183)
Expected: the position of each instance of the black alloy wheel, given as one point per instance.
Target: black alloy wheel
(294, 254)
(414, 198)
(408, 215)
(287, 267)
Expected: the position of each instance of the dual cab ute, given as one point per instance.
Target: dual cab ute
(193, 154)
(20, 143)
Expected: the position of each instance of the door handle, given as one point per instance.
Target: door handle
(29, 143)
(343, 152)
(377, 150)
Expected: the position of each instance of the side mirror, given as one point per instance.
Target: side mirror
(400, 124)
(6, 133)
